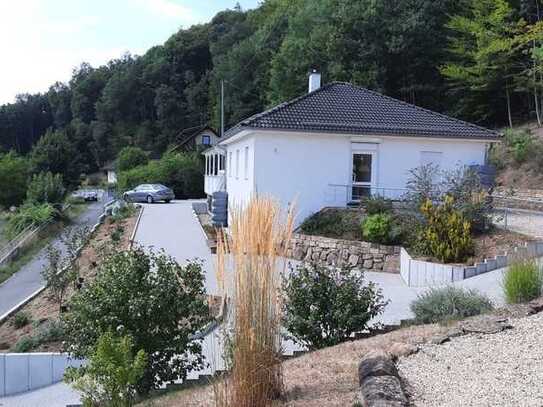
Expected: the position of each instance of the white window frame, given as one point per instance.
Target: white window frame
(372, 184)
(246, 163)
(237, 163)
(230, 168)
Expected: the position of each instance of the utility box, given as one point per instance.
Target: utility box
(219, 209)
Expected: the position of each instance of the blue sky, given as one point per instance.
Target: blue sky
(43, 40)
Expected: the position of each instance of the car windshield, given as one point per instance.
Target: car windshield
(159, 186)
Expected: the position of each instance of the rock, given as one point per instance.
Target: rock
(439, 339)
(383, 391)
(331, 259)
(485, 324)
(535, 306)
(298, 253)
(401, 349)
(455, 332)
(376, 363)
(368, 264)
(353, 260)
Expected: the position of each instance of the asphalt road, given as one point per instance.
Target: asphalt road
(28, 280)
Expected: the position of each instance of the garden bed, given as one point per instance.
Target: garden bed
(42, 311)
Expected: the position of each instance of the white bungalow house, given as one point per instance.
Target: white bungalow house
(336, 144)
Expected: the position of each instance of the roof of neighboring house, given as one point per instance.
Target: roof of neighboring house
(188, 134)
(110, 166)
(344, 108)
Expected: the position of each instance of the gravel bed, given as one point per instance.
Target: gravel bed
(503, 369)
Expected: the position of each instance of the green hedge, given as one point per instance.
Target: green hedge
(183, 172)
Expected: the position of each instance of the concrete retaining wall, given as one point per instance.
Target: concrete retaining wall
(20, 372)
(419, 273)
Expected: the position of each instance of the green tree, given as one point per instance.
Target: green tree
(112, 373)
(45, 188)
(483, 56)
(130, 157)
(150, 297)
(54, 153)
(14, 172)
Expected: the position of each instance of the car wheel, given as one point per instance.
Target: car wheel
(168, 200)
(149, 199)
(126, 198)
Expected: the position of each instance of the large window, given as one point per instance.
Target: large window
(246, 163)
(230, 167)
(237, 163)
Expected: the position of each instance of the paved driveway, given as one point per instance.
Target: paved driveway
(521, 220)
(174, 228)
(28, 279)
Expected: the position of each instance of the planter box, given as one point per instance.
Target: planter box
(419, 273)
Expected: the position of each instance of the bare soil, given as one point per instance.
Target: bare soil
(327, 377)
(42, 308)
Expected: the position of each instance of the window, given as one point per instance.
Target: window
(230, 168)
(215, 164)
(206, 140)
(246, 163)
(221, 162)
(431, 157)
(237, 163)
(207, 165)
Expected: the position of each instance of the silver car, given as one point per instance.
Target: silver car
(149, 193)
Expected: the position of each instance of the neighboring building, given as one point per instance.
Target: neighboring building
(110, 172)
(196, 137)
(335, 145)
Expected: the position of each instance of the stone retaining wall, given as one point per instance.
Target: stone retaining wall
(327, 251)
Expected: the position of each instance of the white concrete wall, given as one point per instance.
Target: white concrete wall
(111, 177)
(240, 185)
(298, 167)
(20, 372)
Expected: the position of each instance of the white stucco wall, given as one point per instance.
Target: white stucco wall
(240, 186)
(297, 167)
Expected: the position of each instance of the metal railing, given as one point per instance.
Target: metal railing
(344, 192)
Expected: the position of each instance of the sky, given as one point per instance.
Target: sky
(43, 40)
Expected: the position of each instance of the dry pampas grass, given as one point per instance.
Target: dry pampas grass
(259, 236)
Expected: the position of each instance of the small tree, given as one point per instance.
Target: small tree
(159, 303)
(131, 157)
(112, 373)
(325, 306)
(45, 188)
(58, 274)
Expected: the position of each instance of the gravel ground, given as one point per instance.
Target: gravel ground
(503, 369)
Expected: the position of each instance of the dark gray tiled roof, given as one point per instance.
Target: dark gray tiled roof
(344, 108)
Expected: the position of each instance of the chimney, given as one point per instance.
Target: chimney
(314, 80)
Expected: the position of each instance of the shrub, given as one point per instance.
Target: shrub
(57, 274)
(324, 306)
(29, 215)
(333, 223)
(159, 303)
(422, 185)
(446, 235)
(21, 319)
(45, 188)
(448, 303)
(13, 179)
(375, 205)
(24, 345)
(377, 228)
(522, 281)
(51, 330)
(112, 373)
(520, 142)
(183, 172)
(131, 157)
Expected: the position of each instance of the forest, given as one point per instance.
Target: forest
(478, 60)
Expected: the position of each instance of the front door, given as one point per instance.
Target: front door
(363, 178)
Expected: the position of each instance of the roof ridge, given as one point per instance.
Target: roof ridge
(283, 105)
(420, 108)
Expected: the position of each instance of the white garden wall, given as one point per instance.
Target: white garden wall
(419, 273)
(20, 372)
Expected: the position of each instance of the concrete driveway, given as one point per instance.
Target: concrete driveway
(28, 280)
(174, 228)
